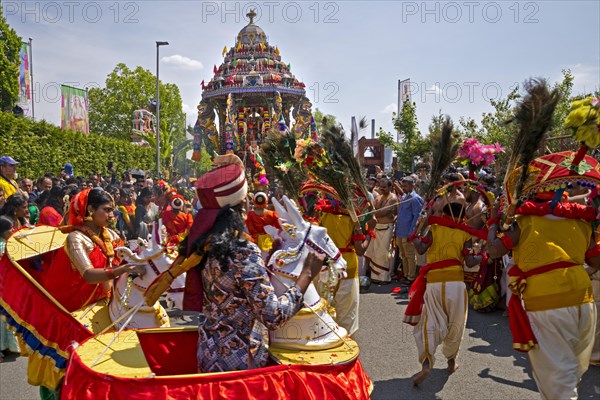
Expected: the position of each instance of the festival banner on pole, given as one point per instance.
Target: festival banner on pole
(24, 100)
(74, 109)
(404, 92)
(403, 95)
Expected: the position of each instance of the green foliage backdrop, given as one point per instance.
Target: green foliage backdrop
(10, 44)
(41, 147)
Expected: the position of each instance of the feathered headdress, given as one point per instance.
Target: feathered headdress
(534, 117)
(443, 149)
(340, 152)
(278, 151)
(331, 161)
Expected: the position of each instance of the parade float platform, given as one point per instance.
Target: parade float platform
(162, 364)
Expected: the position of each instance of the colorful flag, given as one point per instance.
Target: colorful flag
(215, 70)
(276, 50)
(235, 62)
(203, 85)
(74, 107)
(224, 51)
(262, 47)
(239, 46)
(24, 100)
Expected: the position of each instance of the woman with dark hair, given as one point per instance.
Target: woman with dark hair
(127, 208)
(238, 304)
(146, 212)
(16, 208)
(82, 272)
(52, 207)
(8, 343)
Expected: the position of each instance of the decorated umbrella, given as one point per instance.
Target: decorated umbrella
(554, 172)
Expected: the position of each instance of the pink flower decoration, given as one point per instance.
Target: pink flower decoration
(477, 154)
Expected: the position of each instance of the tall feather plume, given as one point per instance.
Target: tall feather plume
(534, 117)
(277, 152)
(443, 148)
(339, 150)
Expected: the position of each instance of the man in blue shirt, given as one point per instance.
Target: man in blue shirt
(408, 214)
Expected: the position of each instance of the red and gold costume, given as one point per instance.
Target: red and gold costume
(176, 221)
(83, 249)
(256, 222)
(558, 326)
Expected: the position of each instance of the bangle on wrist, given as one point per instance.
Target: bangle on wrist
(110, 273)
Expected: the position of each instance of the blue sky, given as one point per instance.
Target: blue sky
(350, 54)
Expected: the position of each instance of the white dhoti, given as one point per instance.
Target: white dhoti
(346, 304)
(504, 290)
(595, 357)
(443, 320)
(380, 253)
(565, 338)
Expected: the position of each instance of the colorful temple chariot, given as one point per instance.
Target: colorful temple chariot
(250, 92)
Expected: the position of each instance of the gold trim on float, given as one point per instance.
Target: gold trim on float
(339, 355)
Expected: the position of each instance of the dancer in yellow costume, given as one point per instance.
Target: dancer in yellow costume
(550, 246)
(348, 237)
(438, 305)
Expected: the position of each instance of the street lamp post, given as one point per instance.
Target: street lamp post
(158, 44)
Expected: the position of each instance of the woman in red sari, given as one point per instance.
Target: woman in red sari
(82, 272)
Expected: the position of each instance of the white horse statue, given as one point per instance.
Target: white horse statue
(128, 290)
(312, 328)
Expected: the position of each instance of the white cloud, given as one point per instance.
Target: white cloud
(435, 89)
(183, 62)
(585, 78)
(390, 108)
(191, 114)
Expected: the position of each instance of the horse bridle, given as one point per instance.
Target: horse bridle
(306, 241)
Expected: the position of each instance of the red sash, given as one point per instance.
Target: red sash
(412, 315)
(520, 326)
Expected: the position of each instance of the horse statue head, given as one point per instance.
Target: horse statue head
(128, 291)
(299, 237)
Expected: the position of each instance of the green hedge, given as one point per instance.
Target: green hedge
(41, 147)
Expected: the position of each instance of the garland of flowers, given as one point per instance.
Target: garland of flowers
(261, 174)
(478, 155)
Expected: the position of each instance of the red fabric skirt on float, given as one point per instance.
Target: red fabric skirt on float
(161, 364)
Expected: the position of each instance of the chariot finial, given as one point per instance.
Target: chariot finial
(251, 15)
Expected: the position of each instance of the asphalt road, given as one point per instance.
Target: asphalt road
(489, 368)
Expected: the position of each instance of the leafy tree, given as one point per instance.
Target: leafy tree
(172, 149)
(320, 117)
(412, 142)
(10, 44)
(112, 107)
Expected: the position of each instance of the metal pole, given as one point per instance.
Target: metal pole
(157, 117)
(31, 76)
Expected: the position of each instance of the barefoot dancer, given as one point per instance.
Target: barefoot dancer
(439, 293)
